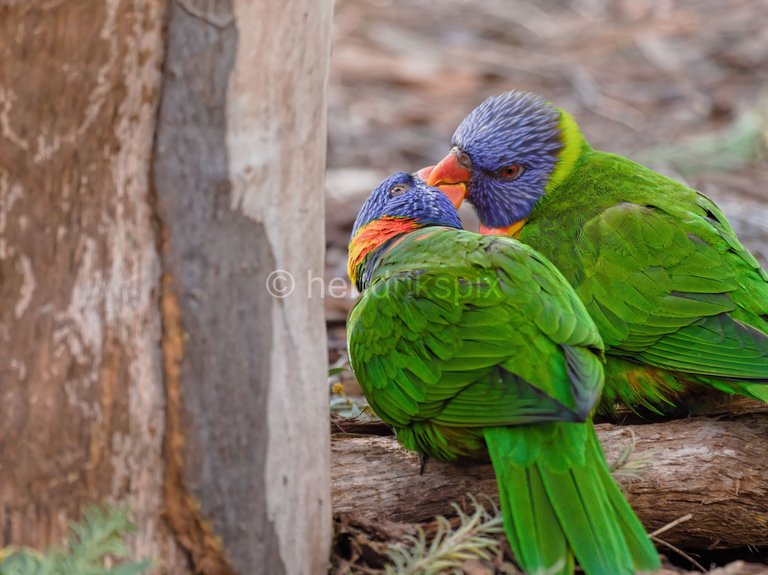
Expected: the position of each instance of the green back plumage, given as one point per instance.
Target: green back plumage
(450, 313)
(465, 342)
(663, 275)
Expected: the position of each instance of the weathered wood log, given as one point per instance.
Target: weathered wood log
(714, 469)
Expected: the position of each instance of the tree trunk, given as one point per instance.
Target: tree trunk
(714, 470)
(82, 394)
(122, 287)
(238, 173)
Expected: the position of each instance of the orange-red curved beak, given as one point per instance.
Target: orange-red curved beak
(423, 173)
(450, 177)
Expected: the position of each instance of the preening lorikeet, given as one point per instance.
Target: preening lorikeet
(679, 302)
(464, 342)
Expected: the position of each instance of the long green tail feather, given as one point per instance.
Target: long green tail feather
(644, 555)
(747, 388)
(756, 391)
(532, 523)
(557, 506)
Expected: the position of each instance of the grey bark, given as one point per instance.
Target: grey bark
(238, 171)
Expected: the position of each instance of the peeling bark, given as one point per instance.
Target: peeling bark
(714, 469)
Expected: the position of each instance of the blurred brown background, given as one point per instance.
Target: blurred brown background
(677, 84)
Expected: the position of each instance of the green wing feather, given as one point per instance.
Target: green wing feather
(662, 274)
(674, 297)
(464, 329)
(464, 342)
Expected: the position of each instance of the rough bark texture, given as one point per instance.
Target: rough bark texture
(122, 286)
(239, 181)
(82, 399)
(716, 470)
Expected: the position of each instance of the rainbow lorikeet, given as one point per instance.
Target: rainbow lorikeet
(678, 301)
(463, 343)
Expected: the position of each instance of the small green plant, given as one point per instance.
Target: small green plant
(342, 404)
(474, 538)
(97, 540)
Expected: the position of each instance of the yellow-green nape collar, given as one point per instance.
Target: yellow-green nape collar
(573, 143)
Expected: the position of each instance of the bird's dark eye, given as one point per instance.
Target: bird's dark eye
(398, 190)
(511, 172)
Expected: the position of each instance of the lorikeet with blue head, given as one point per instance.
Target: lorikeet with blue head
(681, 305)
(466, 343)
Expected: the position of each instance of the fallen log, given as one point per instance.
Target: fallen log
(716, 470)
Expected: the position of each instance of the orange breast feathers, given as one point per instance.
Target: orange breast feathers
(373, 235)
(512, 231)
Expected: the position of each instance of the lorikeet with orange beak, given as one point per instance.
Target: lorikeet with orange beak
(465, 343)
(679, 302)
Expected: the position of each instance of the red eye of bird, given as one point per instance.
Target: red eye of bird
(397, 190)
(511, 172)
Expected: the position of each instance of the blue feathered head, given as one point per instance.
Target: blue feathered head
(406, 196)
(400, 204)
(503, 153)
